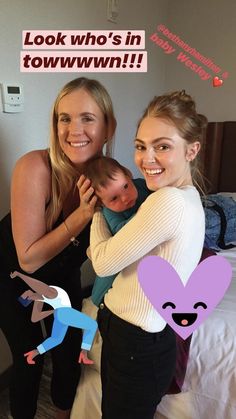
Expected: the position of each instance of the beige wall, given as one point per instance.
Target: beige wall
(210, 27)
(22, 132)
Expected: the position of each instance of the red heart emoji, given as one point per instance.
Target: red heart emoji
(217, 82)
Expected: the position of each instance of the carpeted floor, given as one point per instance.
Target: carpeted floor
(45, 408)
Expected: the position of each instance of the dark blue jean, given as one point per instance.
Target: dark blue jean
(136, 367)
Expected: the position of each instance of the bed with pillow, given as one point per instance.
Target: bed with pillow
(209, 388)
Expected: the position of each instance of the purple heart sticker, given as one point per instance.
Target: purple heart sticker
(184, 307)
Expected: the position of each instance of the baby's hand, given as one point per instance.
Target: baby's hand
(83, 358)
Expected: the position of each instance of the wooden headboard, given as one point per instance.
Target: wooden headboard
(220, 156)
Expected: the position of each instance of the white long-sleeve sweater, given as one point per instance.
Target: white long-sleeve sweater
(169, 224)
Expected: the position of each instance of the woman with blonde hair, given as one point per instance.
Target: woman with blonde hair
(139, 348)
(47, 234)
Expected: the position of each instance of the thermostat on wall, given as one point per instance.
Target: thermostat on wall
(12, 98)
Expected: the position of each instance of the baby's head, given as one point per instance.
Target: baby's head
(112, 183)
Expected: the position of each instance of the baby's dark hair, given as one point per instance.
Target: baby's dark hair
(102, 169)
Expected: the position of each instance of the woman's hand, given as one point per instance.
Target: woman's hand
(87, 198)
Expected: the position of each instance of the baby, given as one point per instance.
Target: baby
(120, 196)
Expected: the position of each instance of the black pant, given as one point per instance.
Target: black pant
(23, 336)
(136, 367)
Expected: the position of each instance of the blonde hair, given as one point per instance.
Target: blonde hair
(64, 174)
(179, 109)
(102, 169)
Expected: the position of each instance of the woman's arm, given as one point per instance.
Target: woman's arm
(30, 194)
(156, 222)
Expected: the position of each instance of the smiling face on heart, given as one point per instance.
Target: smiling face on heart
(184, 319)
(184, 308)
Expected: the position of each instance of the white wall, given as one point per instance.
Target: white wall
(25, 131)
(210, 27)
